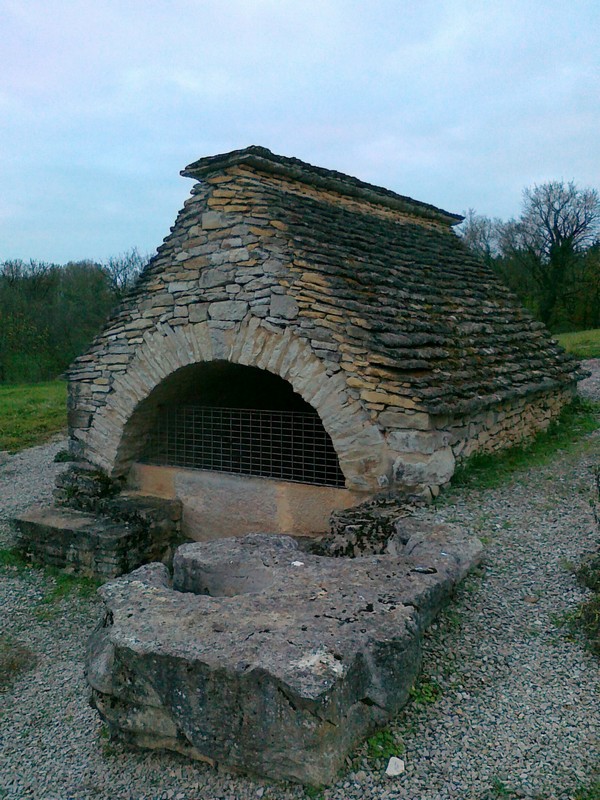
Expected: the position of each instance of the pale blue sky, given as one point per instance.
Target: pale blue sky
(456, 103)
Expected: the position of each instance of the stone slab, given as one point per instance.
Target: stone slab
(74, 540)
(266, 658)
(252, 504)
(141, 529)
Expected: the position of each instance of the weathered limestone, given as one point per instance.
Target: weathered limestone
(253, 504)
(412, 352)
(424, 469)
(266, 658)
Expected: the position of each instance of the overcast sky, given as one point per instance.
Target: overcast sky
(459, 104)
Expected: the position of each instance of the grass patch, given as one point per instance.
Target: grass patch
(314, 792)
(62, 584)
(30, 414)
(588, 573)
(10, 557)
(499, 788)
(383, 745)
(65, 584)
(425, 691)
(488, 470)
(589, 792)
(586, 618)
(581, 344)
(106, 744)
(15, 658)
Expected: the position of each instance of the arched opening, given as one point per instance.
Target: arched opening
(239, 420)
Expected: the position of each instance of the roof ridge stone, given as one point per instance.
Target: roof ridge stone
(264, 160)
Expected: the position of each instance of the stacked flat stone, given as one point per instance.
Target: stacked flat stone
(411, 350)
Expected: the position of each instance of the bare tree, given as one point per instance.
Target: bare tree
(557, 215)
(480, 234)
(124, 269)
(558, 223)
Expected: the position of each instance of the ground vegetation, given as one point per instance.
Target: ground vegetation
(549, 255)
(49, 313)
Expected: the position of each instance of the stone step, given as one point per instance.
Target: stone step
(95, 545)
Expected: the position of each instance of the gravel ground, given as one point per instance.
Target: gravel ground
(590, 387)
(518, 712)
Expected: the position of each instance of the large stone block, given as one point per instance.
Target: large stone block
(412, 469)
(79, 419)
(415, 441)
(77, 542)
(266, 658)
(103, 536)
(232, 310)
(417, 420)
(198, 312)
(209, 278)
(211, 220)
(284, 306)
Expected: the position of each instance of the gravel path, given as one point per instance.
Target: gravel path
(590, 387)
(518, 712)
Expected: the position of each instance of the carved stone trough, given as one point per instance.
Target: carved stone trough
(266, 658)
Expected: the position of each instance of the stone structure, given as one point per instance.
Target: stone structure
(266, 658)
(363, 302)
(94, 529)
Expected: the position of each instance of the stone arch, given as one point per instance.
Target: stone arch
(358, 442)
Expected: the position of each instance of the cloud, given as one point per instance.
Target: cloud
(454, 102)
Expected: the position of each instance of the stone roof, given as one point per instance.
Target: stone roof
(380, 287)
(432, 317)
(263, 160)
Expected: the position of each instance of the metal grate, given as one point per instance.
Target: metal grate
(288, 445)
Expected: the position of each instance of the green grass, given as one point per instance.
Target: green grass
(582, 344)
(11, 557)
(314, 792)
(488, 470)
(64, 584)
(589, 792)
(586, 617)
(59, 584)
(499, 788)
(384, 745)
(425, 691)
(30, 414)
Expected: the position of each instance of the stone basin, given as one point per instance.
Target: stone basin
(265, 658)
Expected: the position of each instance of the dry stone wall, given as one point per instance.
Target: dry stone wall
(411, 351)
(506, 424)
(430, 457)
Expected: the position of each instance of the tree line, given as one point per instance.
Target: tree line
(49, 313)
(549, 255)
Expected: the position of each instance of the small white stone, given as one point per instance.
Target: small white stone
(395, 767)
(297, 563)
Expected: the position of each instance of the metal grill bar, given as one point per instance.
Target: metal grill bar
(287, 445)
